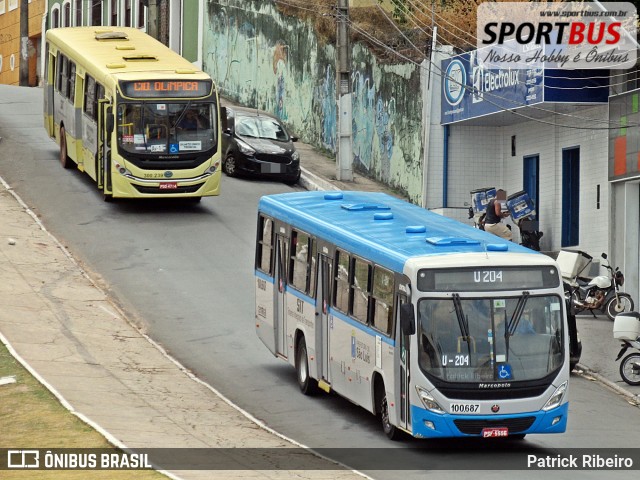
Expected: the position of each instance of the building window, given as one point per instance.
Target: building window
(77, 13)
(127, 13)
(96, 12)
(13, 4)
(114, 13)
(141, 14)
(2, 7)
(55, 17)
(66, 14)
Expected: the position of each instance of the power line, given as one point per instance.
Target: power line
(489, 94)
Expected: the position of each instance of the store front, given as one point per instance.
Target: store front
(624, 175)
(541, 131)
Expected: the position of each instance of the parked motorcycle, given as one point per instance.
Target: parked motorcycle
(601, 293)
(529, 234)
(626, 327)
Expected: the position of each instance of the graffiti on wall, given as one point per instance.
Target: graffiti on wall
(328, 107)
(263, 59)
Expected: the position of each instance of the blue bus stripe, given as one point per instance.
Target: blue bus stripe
(301, 296)
(264, 276)
(361, 326)
(292, 291)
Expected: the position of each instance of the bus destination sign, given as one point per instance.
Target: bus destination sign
(166, 88)
(468, 279)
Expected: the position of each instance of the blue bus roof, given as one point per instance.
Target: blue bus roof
(379, 227)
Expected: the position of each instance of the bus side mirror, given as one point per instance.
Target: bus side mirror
(407, 319)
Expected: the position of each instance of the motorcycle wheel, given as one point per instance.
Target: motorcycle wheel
(630, 369)
(623, 305)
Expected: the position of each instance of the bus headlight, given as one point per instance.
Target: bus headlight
(212, 169)
(556, 398)
(429, 402)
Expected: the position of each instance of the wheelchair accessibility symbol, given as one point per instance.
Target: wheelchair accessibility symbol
(504, 372)
(173, 148)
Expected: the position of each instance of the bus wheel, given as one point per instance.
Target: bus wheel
(308, 385)
(382, 405)
(64, 157)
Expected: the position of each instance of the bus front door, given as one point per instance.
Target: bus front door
(103, 156)
(403, 376)
(280, 298)
(322, 312)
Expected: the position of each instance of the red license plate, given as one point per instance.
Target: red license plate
(168, 186)
(495, 432)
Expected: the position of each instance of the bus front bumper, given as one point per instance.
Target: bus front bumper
(426, 424)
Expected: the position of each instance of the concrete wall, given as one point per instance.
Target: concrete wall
(263, 59)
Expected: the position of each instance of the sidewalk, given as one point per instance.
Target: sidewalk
(60, 324)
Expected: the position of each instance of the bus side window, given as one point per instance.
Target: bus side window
(313, 269)
(299, 262)
(62, 83)
(360, 290)
(265, 245)
(382, 303)
(71, 89)
(341, 282)
(89, 97)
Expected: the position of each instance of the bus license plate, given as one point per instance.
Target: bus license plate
(168, 186)
(495, 432)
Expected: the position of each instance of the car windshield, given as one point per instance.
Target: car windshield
(174, 128)
(261, 127)
(490, 339)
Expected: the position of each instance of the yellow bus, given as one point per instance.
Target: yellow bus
(134, 115)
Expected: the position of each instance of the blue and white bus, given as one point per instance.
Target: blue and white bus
(440, 329)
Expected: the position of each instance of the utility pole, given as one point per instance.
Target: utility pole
(24, 43)
(344, 155)
(428, 94)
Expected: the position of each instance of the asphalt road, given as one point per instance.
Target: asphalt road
(185, 273)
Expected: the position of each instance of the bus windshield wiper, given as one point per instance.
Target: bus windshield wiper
(517, 314)
(463, 322)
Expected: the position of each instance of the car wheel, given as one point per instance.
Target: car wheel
(229, 166)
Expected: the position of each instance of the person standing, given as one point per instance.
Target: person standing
(493, 223)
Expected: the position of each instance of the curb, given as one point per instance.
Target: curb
(311, 181)
(586, 372)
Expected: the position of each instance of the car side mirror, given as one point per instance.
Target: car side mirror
(294, 139)
(227, 131)
(604, 255)
(407, 319)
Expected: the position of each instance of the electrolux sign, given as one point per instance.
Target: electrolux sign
(470, 90)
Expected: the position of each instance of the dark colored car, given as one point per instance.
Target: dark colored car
(255, 143)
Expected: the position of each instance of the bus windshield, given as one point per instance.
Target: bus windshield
(166, 128)
(490, 339)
